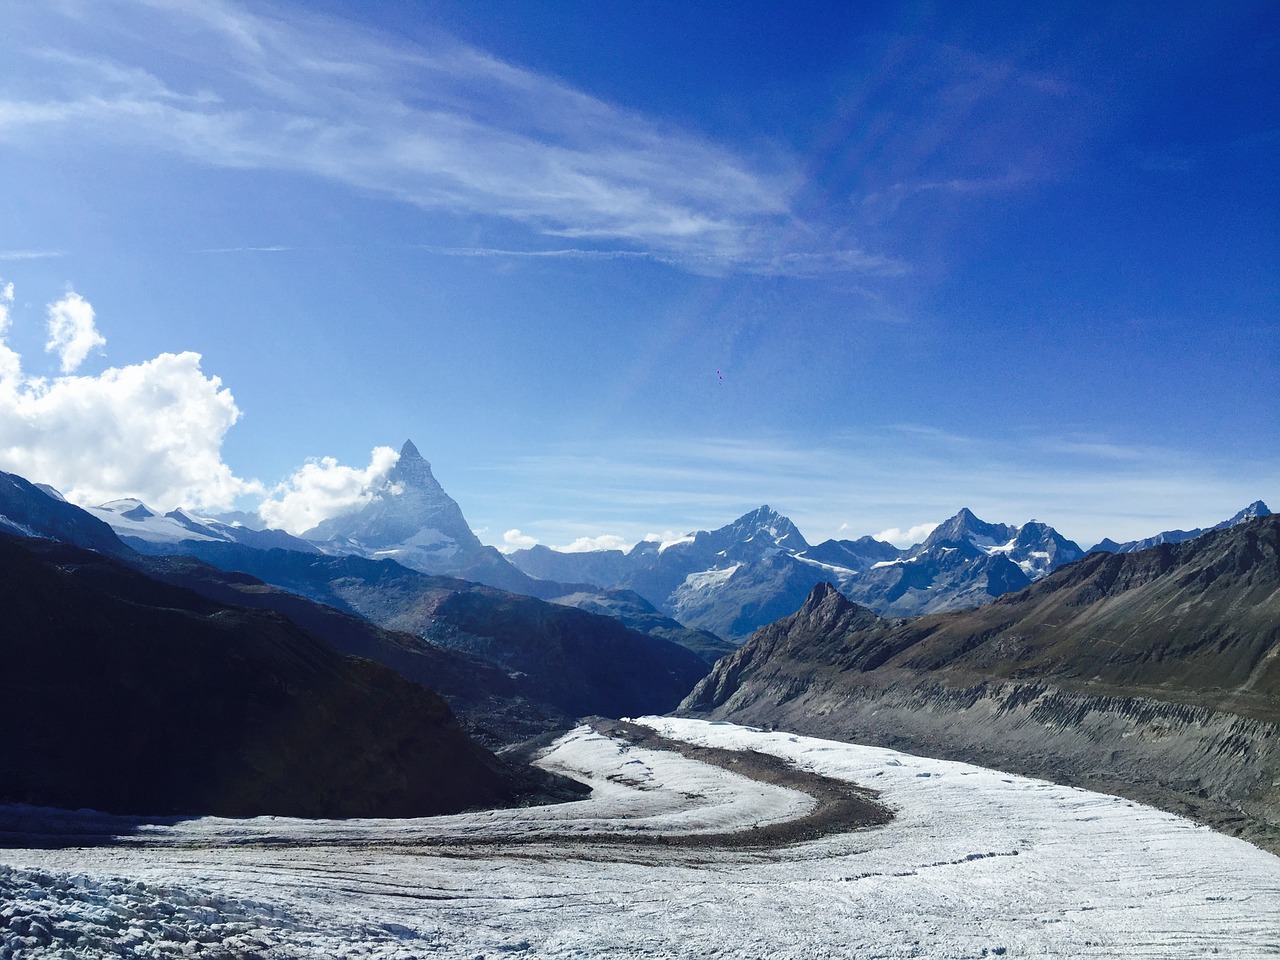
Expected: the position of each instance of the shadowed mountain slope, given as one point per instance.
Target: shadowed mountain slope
(133, 696)
(572, 662)
(568, 660)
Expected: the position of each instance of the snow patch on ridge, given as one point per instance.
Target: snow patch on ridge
(668, 544)
(711, 579)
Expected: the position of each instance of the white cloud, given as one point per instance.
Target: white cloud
(606, 541)
(439, 124)
(28, 254)
(515, 540)
(72, 333)
(324, 488)
(153, 430)
(665, 537)
(906, 538)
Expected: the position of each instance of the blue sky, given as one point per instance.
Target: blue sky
(622, 269)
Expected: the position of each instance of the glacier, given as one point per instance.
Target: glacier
(975, 863)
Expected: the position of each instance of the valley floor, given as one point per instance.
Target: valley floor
(974, 863)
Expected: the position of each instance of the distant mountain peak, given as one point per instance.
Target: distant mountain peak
(414, 471)
(966, 525)
(1255, 509)
(411, 519)
(140, 511)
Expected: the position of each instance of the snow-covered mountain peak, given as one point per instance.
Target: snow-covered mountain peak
(409, 518)
(965, 526)
(412, 473)
(763, 527)
(1252, 511)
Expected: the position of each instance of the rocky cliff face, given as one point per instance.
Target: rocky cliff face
(1154, 674)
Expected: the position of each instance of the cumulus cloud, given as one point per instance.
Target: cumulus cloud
(909, 537)
(323, 488)
(606, 541)
(153, 430)
(72, 333)
(515, 540)
(665, 537)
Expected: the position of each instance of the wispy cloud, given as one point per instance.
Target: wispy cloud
(893, 196)
(887, 482)
(248, 250)
(20, 255)
(776, 265)
(441, 125)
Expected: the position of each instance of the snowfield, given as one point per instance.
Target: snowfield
(976, 863)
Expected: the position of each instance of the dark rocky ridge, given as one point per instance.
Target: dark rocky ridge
(128, 695)
(1154, 674)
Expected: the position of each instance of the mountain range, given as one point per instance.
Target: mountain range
(693, 590)
(1150, 672)
(758, 568)
(511, 666)
(1107, 545)
(410, 522)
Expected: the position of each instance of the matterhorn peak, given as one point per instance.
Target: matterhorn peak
(413, 470)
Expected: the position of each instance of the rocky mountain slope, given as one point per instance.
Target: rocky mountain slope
(1154, 674)
(571, 660)
(31, 510)
(128, 695)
